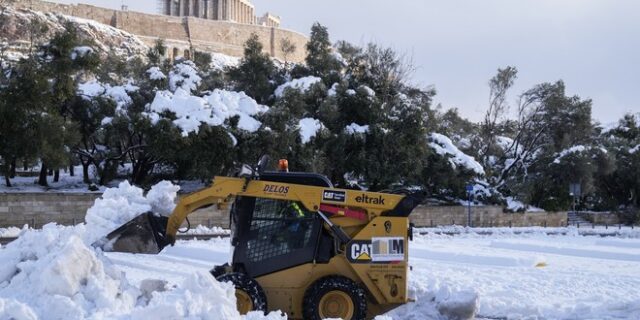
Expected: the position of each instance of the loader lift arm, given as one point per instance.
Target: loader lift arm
(225, 189)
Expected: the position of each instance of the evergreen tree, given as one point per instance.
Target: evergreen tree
(320, 59)
(255, 73)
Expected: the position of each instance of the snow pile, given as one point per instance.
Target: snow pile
(54, 274)
(12, 309)
(59, 277)
(355, 128)
(436, 300)
(212, 109)
(119, 205)
(202, 230)
(566, 152)
(443, 146)
(309, 127)
(156, 74)
(12, 232)
(221, 61)
(184, 76)
(302, 84)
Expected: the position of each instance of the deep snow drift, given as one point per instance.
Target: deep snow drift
(54, 273)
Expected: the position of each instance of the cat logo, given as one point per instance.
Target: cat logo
(359, 251)
(334, 196)
(378, 250)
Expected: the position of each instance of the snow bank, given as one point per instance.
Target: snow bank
(54, 273)
(12, 232)
(309, 127)
(443, 146)
(302, 84)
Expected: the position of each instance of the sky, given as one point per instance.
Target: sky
(458, 45)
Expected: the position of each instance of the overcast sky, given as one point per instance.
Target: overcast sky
(457, 45)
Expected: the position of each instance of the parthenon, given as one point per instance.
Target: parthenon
(239, 11)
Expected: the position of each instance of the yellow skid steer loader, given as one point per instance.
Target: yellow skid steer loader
(300, 245)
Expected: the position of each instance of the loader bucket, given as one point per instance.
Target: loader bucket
(144, 234)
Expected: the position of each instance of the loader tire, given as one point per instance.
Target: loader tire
(249, 293)
(335, 297)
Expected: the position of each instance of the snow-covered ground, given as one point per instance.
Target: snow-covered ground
(501, 273)
(532, 275)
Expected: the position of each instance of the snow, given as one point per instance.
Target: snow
(457, 273)
(156, 74)
(184, 76)
(634, 149)
(119, 94)
(301, 84)
(368, 91)
(504, 142)
(443, 146)
(119, 205)
(12, 232)
(212, 109)
(55, 273)
(221, 61)
(26, 181)
(309, 127)
(333, 90)
(517, 206)
(502, 275)
(80, 52)
(566, 152)
(355, 128)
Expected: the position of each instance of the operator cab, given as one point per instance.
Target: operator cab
(270, 235)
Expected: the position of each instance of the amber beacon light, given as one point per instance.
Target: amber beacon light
(283, 165)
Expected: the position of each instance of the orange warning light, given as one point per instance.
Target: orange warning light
(283, 165)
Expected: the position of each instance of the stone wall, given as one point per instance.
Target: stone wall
(38, 209)
(601, 218)
(182, 33)
(486, 216)
(68, 208)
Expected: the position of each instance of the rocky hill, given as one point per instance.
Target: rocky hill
(20, 28)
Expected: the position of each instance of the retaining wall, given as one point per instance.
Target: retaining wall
(17, 209)
(183, 33)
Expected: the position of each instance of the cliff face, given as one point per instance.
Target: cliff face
(21, 29)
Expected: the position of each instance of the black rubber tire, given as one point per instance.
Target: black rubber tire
(250, 286)
(322, 286)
